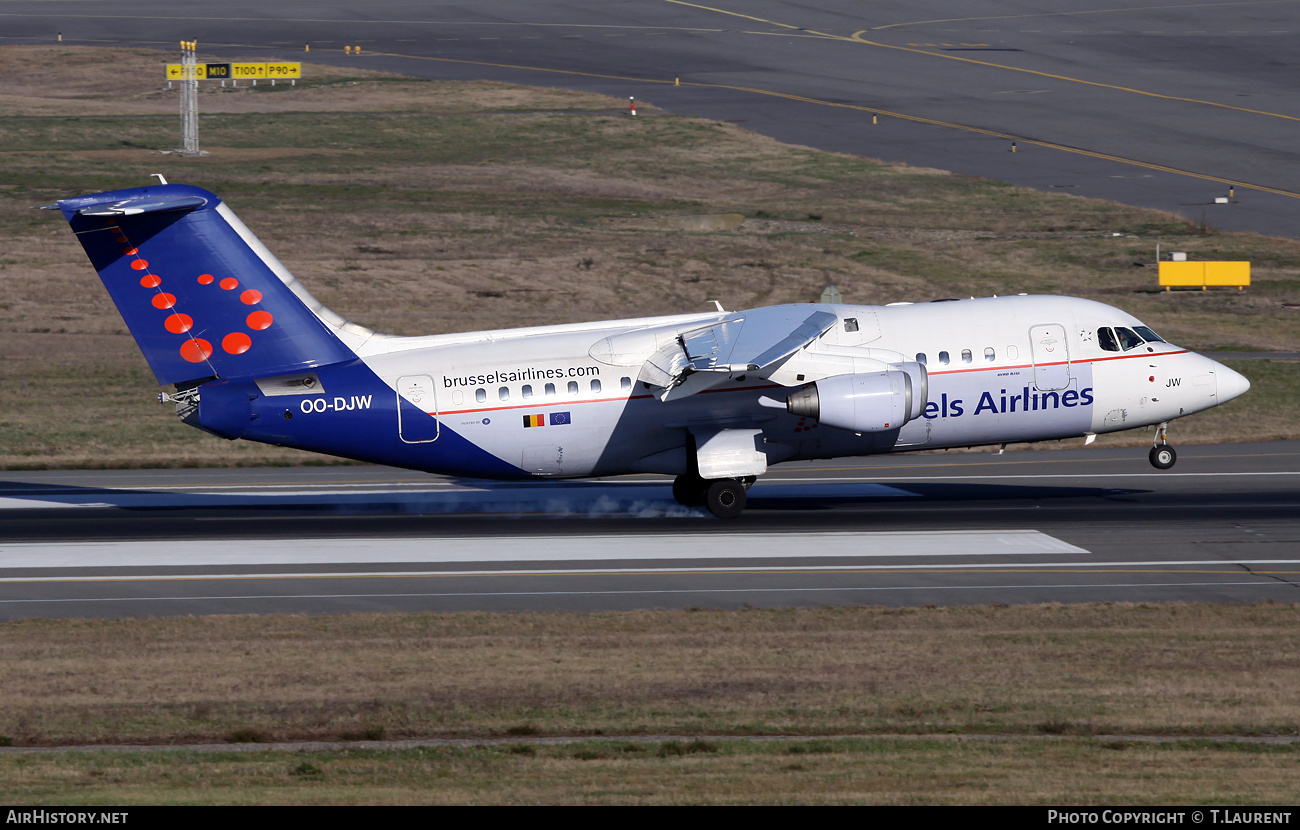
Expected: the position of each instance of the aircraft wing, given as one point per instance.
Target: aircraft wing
(749, 342)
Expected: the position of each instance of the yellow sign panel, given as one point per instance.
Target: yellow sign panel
(266, 70)
(284, 70)
(176, 71)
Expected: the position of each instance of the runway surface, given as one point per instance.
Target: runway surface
(1161, 106)
(1165, 106)
(951, 528)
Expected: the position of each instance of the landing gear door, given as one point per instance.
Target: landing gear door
(1051, 357)
(417, 409)
(729, 453)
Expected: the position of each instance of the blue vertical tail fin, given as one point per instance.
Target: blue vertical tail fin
(201, 295)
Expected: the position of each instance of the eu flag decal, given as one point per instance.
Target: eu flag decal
(535, 421)
(558, 418)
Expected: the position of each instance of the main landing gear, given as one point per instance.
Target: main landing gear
(1162, 455)
(723, 497)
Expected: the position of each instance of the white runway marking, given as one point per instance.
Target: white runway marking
(524, 549)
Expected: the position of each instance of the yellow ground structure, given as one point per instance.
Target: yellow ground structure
(1202, 275)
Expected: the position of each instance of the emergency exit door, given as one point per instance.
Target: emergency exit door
(1051, 357)
(417, 409)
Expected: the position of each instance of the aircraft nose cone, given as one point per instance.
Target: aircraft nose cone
(1231, 384)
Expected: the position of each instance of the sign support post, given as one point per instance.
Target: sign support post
(189, 99)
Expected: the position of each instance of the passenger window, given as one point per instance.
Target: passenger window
(920, 358)
(989, 354)
(504, 393)
(595, 386)
(573, 387)
(480, 395)
(1012, 353)
(943, 358)
(1106, 339)
(528, 391)
(550, 389)
(965, 356)
(625, 384)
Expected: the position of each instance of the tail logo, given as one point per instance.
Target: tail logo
(196, 349)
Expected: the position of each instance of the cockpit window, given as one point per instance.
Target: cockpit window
(1148, 335)
(1128, 338)
(1106, 339)
(1120, 339)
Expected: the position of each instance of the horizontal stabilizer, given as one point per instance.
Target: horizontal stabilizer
(144, 204)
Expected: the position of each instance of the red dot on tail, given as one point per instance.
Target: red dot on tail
(251, 297)
(260, 320)
(230, 283)
(164, 300)
(179, 323)
(130, 251)
(140, 264)
(236, 342)
(196, 351)
(206, 279)
(150, 281)
(120, 238)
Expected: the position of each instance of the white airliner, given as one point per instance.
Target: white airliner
(712, 398)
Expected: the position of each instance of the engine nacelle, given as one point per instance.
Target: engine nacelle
(863, 402)
(920, 388)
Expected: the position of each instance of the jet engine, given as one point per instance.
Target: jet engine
(865, 402)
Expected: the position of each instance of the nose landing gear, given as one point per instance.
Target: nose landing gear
(1162, 456)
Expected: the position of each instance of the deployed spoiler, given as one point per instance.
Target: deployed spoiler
(741, 343)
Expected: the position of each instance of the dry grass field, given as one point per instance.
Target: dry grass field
(896, 770)
(1019, 670)
(418, 207)
(1023, 704)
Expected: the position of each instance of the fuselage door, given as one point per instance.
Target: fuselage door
(417, 409)
(1051, 357)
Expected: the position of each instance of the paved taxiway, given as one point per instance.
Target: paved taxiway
(952, 528)
(1163, 106)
